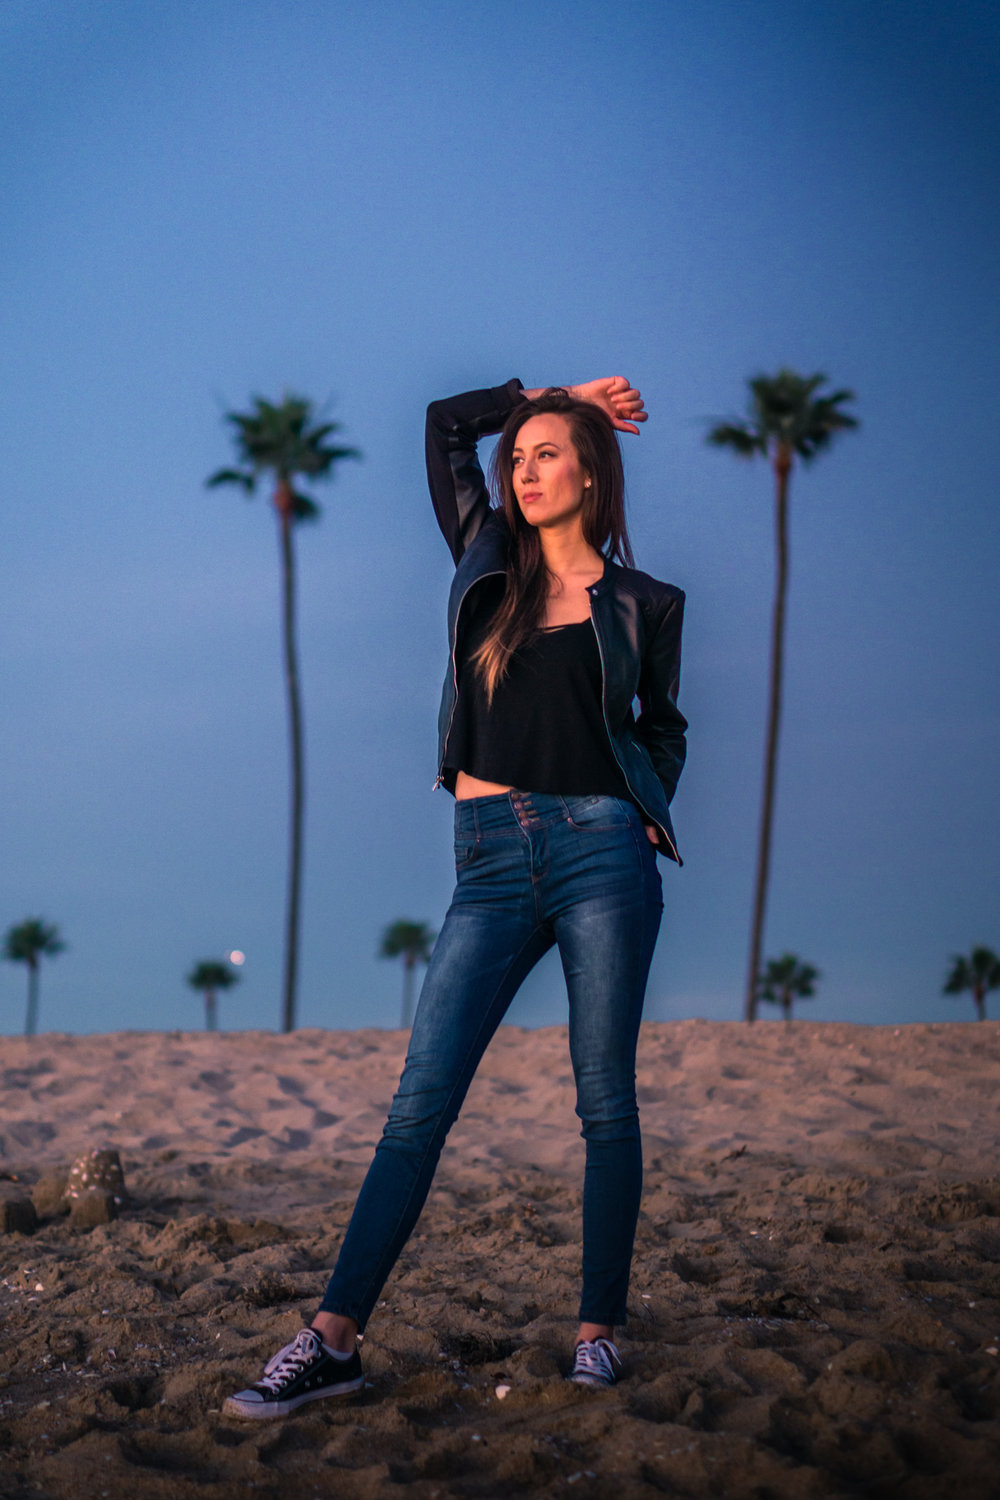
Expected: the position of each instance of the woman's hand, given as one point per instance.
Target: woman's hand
(652, 834)
(623, 404)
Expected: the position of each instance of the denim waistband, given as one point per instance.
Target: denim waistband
(505, 812)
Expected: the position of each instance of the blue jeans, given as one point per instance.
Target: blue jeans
(532, 870)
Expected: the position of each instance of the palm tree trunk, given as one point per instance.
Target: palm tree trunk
(782, 469)
(31, 1019)
(409, 968)
(979, 995)
(283, 503)
(210, 1011)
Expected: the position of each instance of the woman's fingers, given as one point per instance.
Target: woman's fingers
(627, 405)
(626, 399)
(614, 394)
(626, 410)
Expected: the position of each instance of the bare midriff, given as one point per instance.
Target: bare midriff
(471, 786)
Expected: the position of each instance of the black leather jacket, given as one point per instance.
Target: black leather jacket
(637, 620)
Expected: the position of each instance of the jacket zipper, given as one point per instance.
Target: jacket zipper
(495, 573)
(611, 738)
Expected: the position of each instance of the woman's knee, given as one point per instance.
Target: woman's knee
(605, 1090)
(611, 1114)
(423, 1110)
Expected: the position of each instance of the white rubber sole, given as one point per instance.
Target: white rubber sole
(265, 1411)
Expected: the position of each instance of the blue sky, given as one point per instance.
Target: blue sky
(377, 204)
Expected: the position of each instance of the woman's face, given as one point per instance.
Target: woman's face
(549, 481)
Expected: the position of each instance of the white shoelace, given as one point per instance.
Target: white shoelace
(290, 1360)
(596, 1357)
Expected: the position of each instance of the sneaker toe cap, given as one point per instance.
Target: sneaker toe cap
(244, 1398)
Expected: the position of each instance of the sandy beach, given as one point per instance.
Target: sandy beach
(815, 1305)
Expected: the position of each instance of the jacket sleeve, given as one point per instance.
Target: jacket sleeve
(457, 484)
(661, 726)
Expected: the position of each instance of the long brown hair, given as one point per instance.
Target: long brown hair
(522, 608)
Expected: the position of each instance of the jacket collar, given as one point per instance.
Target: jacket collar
(606, 580)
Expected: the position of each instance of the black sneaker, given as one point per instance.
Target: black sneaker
(302, 1371)
(594, 1362)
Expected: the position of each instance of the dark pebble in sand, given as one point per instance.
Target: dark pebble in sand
(17, 1212)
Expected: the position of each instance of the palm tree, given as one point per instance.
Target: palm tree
(786, 979)
(980, 973)
(786, 419)
(281, 441)
(412, 941)
(26, 944)
(208, 976)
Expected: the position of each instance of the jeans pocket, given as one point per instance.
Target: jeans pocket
(594, 814)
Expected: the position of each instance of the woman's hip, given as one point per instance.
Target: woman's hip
(549, 850)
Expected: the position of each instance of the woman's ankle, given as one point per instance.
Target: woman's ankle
(336, 1331)
(588, 1332)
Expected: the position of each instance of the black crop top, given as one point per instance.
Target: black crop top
(545, 730)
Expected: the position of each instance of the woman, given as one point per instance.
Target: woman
(561, 801)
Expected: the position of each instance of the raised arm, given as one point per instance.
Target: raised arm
(454, 474)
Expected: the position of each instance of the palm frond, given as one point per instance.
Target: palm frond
(212, 974)
(986, 965)
(408, 939)
(981, 969)
(786, 414)
(786, 977)
(959, 979)
(278, 438)
(735, 435)
(231, 476)
(24, 942)
(304, 509)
